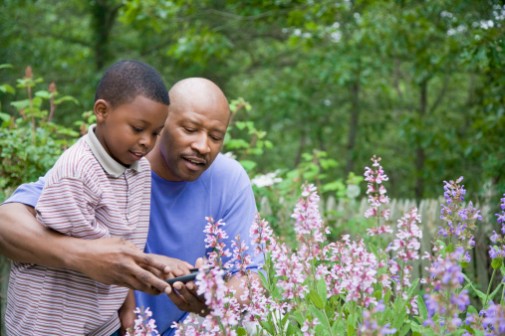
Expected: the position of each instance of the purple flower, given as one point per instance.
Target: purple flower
(445, 298)
(494, 319)
(460, 219)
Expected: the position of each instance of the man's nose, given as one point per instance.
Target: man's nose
(201, 143)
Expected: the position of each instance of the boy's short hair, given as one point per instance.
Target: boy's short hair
(125, 80)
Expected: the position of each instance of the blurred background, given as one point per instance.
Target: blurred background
(321, 83)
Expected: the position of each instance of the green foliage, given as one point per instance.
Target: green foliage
(346, 78)
(29, 142)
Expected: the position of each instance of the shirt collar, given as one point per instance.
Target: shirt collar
(111, 166)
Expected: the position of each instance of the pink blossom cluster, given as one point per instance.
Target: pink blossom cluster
(376, 191)
(353, 271)
(408, 237)
(405, 249)
(262, 236)
(225, 310)
(309, 227)
(310, 230)
(241, 259)
(214, 239)
(291, 272)
(144, 324)
(309, 326)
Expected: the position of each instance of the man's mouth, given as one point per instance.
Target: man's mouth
(195, 161)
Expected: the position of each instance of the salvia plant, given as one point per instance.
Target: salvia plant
(349, 287)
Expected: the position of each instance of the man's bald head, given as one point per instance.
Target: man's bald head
(198, 91)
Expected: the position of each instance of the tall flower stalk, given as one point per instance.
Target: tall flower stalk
(378, 200)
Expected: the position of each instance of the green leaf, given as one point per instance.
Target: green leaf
(5, 116)
(268, 326)
(404, 330)
(65, 99)
(21, 104)
(479, 293)
(316, 299)
(423, 312)
(496, 263)
(43, 94)
(321, 316)
(321, 289)
(6, 88)
(241, 331)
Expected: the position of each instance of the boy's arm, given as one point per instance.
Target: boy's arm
(108, 260)
(126, 313)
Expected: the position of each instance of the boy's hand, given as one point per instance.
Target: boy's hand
(126, 313)
(174, 268)
(120, 262)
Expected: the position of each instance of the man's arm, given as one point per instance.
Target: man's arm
(108, 260)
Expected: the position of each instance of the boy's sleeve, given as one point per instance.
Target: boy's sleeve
(68, 206)
(27, 193)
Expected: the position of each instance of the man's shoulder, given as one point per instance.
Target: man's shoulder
(226, 173)
(225, 165)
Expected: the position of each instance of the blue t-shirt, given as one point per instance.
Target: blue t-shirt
(178, 211)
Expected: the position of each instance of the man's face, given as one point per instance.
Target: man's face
(129, 131)
(192, 138)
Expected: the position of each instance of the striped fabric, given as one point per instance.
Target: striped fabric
(82, 200)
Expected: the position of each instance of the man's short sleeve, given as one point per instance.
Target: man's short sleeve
(27, 193)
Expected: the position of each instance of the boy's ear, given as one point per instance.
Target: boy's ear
(101, 110)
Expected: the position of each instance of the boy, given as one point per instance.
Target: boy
(99, 187)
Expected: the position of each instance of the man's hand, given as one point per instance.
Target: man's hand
(184, 296)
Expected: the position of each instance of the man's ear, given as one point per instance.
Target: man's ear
(101, 109)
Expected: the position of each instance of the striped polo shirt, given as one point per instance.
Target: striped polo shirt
(87, 195)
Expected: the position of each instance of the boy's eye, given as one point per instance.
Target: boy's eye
(137, 129)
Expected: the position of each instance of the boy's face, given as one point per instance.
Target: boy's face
(129, 131)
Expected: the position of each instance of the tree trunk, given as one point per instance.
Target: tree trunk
(103, 17)
(353, 125)
(420, 153)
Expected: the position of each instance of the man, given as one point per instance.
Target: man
(190, 180)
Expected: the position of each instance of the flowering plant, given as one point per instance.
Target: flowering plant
(349, 287)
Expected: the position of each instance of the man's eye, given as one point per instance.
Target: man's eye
(189, 130)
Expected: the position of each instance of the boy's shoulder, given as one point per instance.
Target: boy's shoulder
(77, 161)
